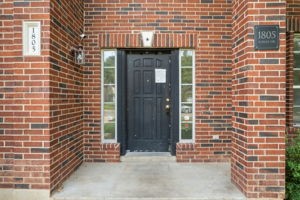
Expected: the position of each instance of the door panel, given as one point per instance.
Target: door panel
(148, 82)
(148, 120)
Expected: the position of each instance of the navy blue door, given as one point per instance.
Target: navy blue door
(148, 102)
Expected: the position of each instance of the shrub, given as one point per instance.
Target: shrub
(293, 170)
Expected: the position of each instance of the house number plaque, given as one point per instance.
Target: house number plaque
(32, 38)
(266, 37)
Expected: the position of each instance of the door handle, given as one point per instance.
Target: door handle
(168, 108)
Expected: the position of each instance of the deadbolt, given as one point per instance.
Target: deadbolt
(167, 100)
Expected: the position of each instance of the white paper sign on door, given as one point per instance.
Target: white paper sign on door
(160, 75)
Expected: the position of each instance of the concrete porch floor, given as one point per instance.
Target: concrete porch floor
(150, 177)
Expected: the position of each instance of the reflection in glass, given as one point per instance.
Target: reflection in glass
(109, 76)
(109, 112)
(187, 93)
(297, 60)
(187, 75)
(186, 131)
(297, 43)
(297, 77)
(109, 131)
(187, 112)
(109, 58)
(186, 58)
(186, 108)
(297, 97)
(187, 117)
(296, 115)
(186, 68)
(109, 104)
(109, 93)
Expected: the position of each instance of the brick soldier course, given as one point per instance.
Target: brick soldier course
(50, 119)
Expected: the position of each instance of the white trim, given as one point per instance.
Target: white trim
(25, 29)
(193, 96)
(103, 140)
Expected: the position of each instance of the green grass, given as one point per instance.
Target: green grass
(109, 131)
(186, 132)
(109, 106)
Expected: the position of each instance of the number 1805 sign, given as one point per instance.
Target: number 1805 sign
(31, 38)
(266, 37)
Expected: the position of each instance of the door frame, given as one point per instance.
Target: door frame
(122, 135)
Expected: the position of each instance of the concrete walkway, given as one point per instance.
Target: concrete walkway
(151, 177)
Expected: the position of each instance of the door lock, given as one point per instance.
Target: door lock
(167, 100)
(167, 107)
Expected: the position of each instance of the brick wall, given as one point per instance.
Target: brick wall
(293, 8)
(6, 71)
(259, 81)
(293, 26)
(41, 118)
(50, 107)
(211, 22)
(25, 93)
(66, 90)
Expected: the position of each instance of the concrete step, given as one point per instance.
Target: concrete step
(148, 157)
(141, 198)
(148, 180)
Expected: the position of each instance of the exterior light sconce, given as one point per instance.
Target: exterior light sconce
(147, 38)
(79, 55)
(78, 52)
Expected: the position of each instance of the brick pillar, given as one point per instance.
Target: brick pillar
(290, 84)
(6, 94)
(258, 153)
(30, 112)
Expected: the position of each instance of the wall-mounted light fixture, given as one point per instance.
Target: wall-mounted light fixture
(78, 52)
(79, 55)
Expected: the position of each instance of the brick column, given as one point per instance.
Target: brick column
(258, 153)
(30, 112)
(6, 94)
(290, 84)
